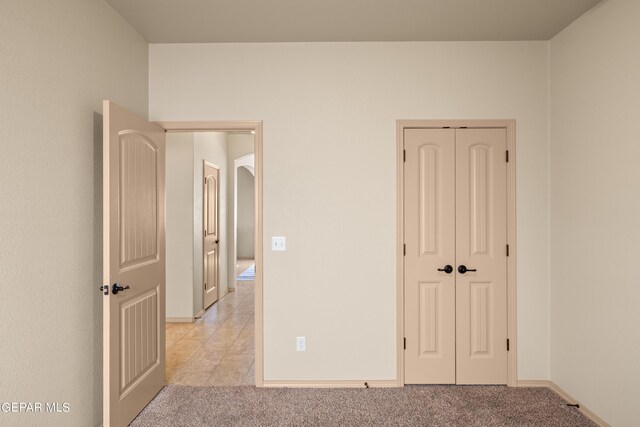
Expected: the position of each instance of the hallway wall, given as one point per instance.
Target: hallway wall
(246, 214)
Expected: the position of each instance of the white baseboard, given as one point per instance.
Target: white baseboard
(533, 383)
(331, 384)
(566, 396)
(179, 320)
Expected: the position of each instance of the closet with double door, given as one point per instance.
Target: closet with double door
(455, 255)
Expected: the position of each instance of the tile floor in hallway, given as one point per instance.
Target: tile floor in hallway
(219, 348)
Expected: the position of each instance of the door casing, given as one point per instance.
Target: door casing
(510, 126)
(256, 128)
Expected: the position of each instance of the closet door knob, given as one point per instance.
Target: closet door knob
(463, 269)
(447, 269)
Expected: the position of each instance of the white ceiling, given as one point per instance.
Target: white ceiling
(205, 21)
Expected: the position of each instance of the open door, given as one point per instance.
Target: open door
(134, 264)
(211, 233)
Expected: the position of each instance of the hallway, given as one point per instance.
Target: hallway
(219, 348)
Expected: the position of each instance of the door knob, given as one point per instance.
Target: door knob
(117, 288)
(447, 269)
(217, 241)
(463, 269)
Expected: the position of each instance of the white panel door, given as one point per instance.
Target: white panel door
(429, 293)
(211, 233)
(134, 264)
(481, 243)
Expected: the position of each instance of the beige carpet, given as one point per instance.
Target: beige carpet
(408, 406)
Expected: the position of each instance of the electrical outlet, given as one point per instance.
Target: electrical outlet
(278, 243)
(301, 344)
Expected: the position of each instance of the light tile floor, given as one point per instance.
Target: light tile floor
(219, 348)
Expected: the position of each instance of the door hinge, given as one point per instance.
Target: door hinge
(404, 343)
(404, 155)
(507, 250)
(404, 249)
(507, 344)
(205, 285)
(507, 156)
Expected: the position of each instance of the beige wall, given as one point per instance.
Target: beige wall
(595, 210)
(179, 211)
(246, 213)
(210, 146)
(59, 60)
(329, 112)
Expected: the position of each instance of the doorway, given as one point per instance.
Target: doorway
(243, 244)
(456, 252)
(211, 341)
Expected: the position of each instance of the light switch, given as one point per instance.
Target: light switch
(301, 343)
(278, 243)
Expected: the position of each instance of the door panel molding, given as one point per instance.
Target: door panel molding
(430, 224)
(479, 245)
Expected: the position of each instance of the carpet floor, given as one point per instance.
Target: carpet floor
(407, 406)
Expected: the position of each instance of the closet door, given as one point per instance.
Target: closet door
(481, 239)
(429, 235)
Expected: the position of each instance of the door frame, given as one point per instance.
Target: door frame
(510, 126)
(255, 127)
(206, 163)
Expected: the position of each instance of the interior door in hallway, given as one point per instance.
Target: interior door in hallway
(455, 256)
(211, 233)
(134, 264)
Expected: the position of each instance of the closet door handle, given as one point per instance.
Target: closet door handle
(463, 269)
(447, 269)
